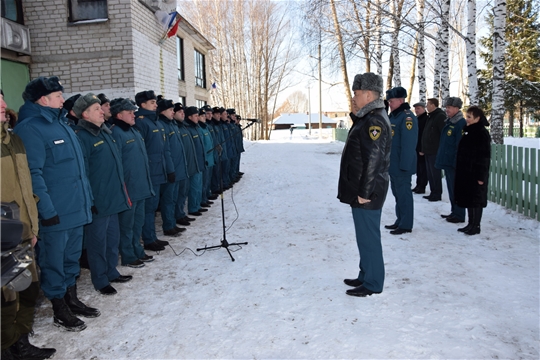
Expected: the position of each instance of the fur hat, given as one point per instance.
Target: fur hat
(368, 81)
(144, 96)
(192, 110)
(396, 93)
(68, 104)
(178, 106)
(103, 98)
(164, 104)
(202, 111)
(41, 86)
(207, 108)
(120, 104)
(453, 101)
(420, 103)
(83, 103)
(231, 111)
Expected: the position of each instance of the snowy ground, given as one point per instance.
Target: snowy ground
(446, 295)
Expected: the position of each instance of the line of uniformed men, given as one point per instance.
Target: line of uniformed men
(106, 181)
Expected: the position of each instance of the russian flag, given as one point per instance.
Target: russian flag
(169, 22)
(174, 28)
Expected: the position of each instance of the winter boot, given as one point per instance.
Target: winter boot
(475, 227)
(470, 213)
(76, 306)
(63, 317)
(22, 349)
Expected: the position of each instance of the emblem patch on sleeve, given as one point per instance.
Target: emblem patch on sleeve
(374, 132)
(449, 132)
(408, 123)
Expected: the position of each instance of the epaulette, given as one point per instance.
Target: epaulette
(141, 117)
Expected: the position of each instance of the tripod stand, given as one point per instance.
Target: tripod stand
(224, 243)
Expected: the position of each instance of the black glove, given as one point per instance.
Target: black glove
(55, 220)
(171, 178)
(94, 210)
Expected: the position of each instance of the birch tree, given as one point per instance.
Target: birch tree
(378, 37)
(421, 57)
(497, 112)
(444, 59)
(470, 43)
(396, 7)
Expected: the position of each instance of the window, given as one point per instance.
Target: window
(200, 76)
(200, 103)
(180, 57)
(83, 10)
(182, 100)
(12, 10)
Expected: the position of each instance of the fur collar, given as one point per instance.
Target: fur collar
(92, 128)
(121, 124)
(375, 104)
(454, 119)
(402, 107)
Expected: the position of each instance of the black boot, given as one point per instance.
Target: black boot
(477, 217)
(22, 349)
(470, 212)
(63, 317)
(76, 306)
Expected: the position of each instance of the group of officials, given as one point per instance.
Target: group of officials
(383, 148)
(91, 173)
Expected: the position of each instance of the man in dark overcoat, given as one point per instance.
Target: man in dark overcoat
(363, 180)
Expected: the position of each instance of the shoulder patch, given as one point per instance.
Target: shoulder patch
(141, 117)
(374, 132)
(408, 123)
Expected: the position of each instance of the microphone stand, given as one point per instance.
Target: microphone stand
(224, 243)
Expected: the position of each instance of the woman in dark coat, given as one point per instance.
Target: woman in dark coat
(472, 168)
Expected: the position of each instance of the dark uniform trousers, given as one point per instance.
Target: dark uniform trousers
(130, 224)
(169, 198)
(183, 190)
(401, 189)
(368, 238)
(434, 177)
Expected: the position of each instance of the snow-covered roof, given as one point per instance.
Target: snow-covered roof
(301, 119)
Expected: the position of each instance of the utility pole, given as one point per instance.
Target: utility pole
(320, 94)
(309, 109)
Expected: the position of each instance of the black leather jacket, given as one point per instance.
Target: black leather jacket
(365, 160)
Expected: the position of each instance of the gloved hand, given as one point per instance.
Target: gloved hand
(55, 220)
(94, 210)
(171, 177)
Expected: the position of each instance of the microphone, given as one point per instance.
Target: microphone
(253, 120)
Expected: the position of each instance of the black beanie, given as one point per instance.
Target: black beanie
(192, 110)
(103, 98)
(164, 104)
(144, 96)
(68, 104)
(178, 106)
(41, 86)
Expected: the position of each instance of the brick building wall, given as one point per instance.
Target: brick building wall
(118, 56)
(87, 57)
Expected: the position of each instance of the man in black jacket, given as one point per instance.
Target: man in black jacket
(430, 145)
(363, 180)
(421, 174)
